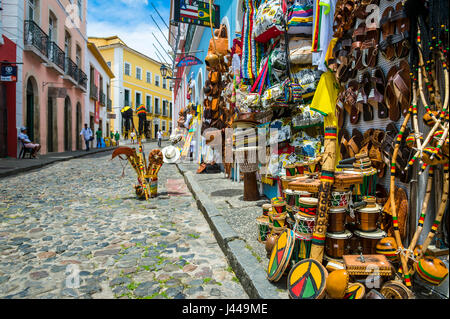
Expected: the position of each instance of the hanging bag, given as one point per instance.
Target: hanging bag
(300, 18)
(300, 51)
(269, 20)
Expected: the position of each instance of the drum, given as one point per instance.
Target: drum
(336, 245)
(307, 206)
(340, 198)
(301, 194)
(281, 255)
(289, 197)
(369, 240)
(263, 228)
(302, 246)
(300, 168)
(307, 280)
(355, 290)
(367, 217)
(291, 170)
(336, 219)
(266, 209)
(305, 223)
(278, 206)
(247, 159)
(395, 289)
(278, 221)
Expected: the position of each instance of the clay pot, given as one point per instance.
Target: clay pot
(270, 242)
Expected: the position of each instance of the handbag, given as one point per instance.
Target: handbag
(269, 20)
(300, 18)
(300, 51)
(221, 39)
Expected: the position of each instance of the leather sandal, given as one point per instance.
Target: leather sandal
(367, 141)
(402, 86)
(401, 41)
(367, 108)
(387, 146)
(340, 112)
(388, 29)
(376, 95)
(343, 143)
(390, 96)
(375, 153)
(355, 143)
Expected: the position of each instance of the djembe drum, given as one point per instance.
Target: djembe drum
(340, 198)
(263, 228)
(337, 245)
(336, 219)
(369, 240)
(367, 217)
(307, 206)
(303, 230)
(246, 157)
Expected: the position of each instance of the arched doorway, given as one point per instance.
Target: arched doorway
(67, 125)
(32, 110)
(52, 132)
(78, 127)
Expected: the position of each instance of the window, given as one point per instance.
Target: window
(52, 27)
(163, 126)
(164, 83)
(156, 80)
(138, 99)
(170, 108)
(164, 108)
(127, 98)
(68, 45)
(127, 69)
(80, 9)
(138, 73)
(109, 64)
(31, 10)
(148, 103)
(149, 77)
(78, 56)
(157, 105)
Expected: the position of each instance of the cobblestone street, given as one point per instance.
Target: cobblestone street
(74, 229)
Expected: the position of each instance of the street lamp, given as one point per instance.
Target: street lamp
(164, 70)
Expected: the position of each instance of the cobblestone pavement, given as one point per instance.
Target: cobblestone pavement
(81, 217)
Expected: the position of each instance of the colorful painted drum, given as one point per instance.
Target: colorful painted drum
(300, 168)
(432, 270)
(291, 170)
(305, 223)
(278, 206)
(263, 228)
(307, 206)
(277, 230)
(340, 198)
(307, 280)
(266, 209)
(367, 218)
(369, 240)
(336, 219)
(355, 290)
(301, 194)
(289, 197)
(302, 247)
(278, 220)
(281, 255)
(153, 187)
(336, 245)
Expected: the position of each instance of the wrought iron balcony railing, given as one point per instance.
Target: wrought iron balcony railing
(93, 92)
(36, 37)
(56, 55)
(109, 106)
(71, 69)
(82, 79)
(102, 98)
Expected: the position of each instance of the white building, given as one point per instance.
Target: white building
(98, 101)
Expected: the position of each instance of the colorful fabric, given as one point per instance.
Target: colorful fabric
(249, 54)
(269, 21)
(323, 31)
(300, 18)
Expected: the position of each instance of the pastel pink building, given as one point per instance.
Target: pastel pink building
(54, 78)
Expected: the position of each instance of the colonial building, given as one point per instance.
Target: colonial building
(98, 101)
(137, 81)
(54, 78)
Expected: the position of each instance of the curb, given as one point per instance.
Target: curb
(246, 267)
(17, 171)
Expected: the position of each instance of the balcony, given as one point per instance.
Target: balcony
(82, 80)
(109, 105)
(56, 57)
(35, 40)
(102, 98)
(93, 92)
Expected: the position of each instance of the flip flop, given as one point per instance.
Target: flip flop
(390, 97)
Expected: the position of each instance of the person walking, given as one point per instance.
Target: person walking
(159, 136)
(27, 142)
(99, 134)
(117, 136)
(86, 132)
(132, 136)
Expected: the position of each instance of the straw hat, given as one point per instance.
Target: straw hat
(171, 154)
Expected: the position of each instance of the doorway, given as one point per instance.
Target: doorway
(50, 125)
(30, 110)
(67, 125)
(3, 122)
(156, 131)
(78, 127)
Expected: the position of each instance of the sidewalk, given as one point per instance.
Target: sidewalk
(233, 223)
(11, 166)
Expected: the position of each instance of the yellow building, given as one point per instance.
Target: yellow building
(138, 81)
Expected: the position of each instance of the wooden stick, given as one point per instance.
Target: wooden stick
(398, 239)
(327, 180)
(439, 215)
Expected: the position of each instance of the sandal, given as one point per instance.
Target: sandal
(367, 108)
(367, 141)
(402, 86)
(388, 29)
(401, 40)
(340, 112)
(390, 97)
(375, 153)
(343, 144)
(355, 143)
(387, 146)
(376, 95)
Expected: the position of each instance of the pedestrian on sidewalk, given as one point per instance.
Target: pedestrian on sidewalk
(117, 136)
(99, 134)
(86, 132)
(27, 143)
(159, 136)
(132, 136)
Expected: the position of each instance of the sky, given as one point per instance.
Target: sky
(131, 21)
